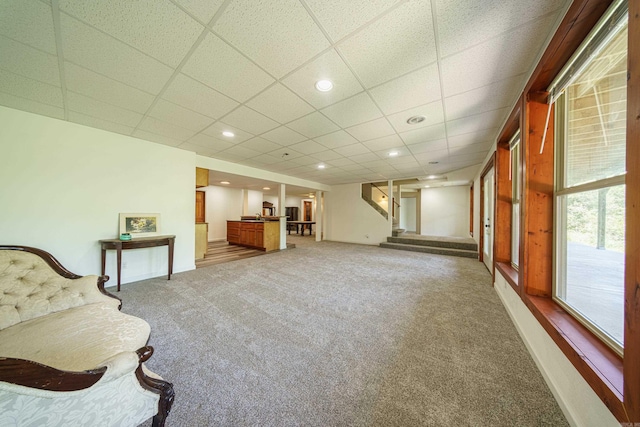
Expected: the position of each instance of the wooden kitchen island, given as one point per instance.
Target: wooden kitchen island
(263, 235)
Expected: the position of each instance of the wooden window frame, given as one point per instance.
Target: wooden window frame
(616, 380)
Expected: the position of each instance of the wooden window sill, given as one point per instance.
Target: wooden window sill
(600, 366)
(510, 274)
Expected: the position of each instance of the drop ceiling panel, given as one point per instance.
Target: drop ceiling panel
(98, 109)
(23, 87)
(158, 127)
(365, 157)
(196, 96)
(105, 55)
(336, 139)
(31, 106)
(486, 98)
(352, 150)
(166, 32)
(29, 62)
(424, 134)
(340, 162)
(280, 104)
(209, 142)
(249, 121)
(242, 152)
(503, 56)
(327, 155)
(202, 151)
(468, 14)
(411, 90)
(477, 123)
(386, 49)
(203, 10)
(99, 123)
(313, 125)
(340, 18)
(327, 66)
(481, 147)
(179, 116)
(284, 136)
(473, 137)
(384, 143)
(260, 145)
(371, 130)
(97, 86)
(308, 147)
(29, 23)
(355, 110)
(425, 147)
(217, 128)
(221, 67)
(285, 26)
(155, 137)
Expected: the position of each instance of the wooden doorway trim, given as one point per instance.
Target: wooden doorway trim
(308, 210)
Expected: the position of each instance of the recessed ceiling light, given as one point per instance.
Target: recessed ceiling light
(225, 182)
(393, 154)
(321, 166)
(416, 119)
(432, 177)
(426, 186)
(324, 85)
(229, 134)
(266, 188)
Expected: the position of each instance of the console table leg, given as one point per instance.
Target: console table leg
(170, 270)
(119, 256)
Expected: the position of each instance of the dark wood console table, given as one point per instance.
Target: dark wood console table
(136, 243)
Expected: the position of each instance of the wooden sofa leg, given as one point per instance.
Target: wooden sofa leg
(161, 387)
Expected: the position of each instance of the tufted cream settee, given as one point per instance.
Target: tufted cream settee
(68, 355)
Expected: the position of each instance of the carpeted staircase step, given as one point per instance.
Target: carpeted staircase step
(437, 242)
(431, 249)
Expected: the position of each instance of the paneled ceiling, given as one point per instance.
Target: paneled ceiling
(180, 72)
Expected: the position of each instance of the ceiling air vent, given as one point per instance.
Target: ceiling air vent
(416, 119)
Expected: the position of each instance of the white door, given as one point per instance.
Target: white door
(487, 220)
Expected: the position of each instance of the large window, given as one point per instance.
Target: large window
(590, 187)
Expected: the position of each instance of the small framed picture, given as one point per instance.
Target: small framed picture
(140, 224)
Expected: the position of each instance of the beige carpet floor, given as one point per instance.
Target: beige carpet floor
(333, 334)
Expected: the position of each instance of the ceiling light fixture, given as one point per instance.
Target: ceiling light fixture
(426, 186)
(225, 182)
(229, 134)
(324, 85)
(321, 166)
(416, 119)
(433, 163)
(266, 188)
(432, 177)
(393, 154)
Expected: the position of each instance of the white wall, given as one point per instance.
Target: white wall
(254, 202)
(351, 219)
(408, 213)
(222, 204)
(445, 211)
(63, 186)
(578, 401)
